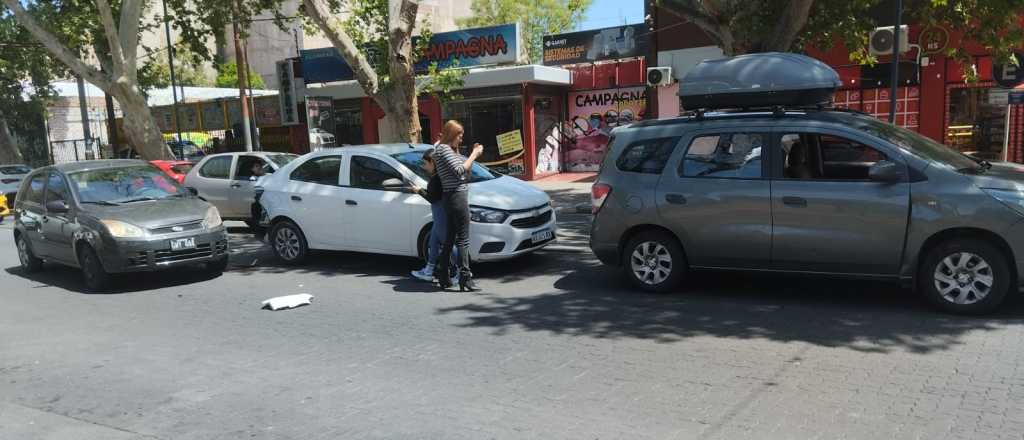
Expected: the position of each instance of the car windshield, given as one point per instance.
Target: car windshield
(281, 159)
(414, 161)
(15, 169)
(916, 143)
(124, 185)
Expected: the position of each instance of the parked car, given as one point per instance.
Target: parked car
(11, 177)
(177, 169)
(360, 199)
(809, 191)
(227, 180)
(114, 216)
(186, 150)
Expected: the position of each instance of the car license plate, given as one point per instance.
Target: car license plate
(541, 236)
(180, 244)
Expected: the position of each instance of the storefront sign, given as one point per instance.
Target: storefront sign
(933, 40)
(268, 111)
(466, 48)
(1008, 75)
(596, 45)
(511, 142)
(592, 116)
(213, 115)
(286, 93)
(320, 122)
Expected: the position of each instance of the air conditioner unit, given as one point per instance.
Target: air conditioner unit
(882, 40)
(659, 76)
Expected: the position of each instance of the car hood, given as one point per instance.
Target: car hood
(507, 193)
(151, 214)
(1002, 175)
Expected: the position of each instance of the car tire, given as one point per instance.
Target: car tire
(289, 243)
(654, 261)
(217, 267)
(95, 276)
(29, 261)
(965, 277)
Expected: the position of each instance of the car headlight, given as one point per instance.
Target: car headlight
(1013, 199)
(212, 219)
(120, 229)
(485, 215)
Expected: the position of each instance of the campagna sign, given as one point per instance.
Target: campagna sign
(462, 48)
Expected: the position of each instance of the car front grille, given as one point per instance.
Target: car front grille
(532, 222)
(170, 229)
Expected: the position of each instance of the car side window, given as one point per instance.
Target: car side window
(217, 168)
(322, 170)
(251, 166)
(813, 156)
(725, 155)
(647, 156)
(57, 189)
(370, 173)
(33, 192)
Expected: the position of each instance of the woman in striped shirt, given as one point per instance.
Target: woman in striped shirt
(454, 171)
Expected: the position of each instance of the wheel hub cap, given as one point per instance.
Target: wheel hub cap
(651, 263)
(964, 278)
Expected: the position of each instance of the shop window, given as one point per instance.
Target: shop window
(977, 121)
(483, 121)
(348, 127)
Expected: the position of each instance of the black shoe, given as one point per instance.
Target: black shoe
(444, 282)
(466, 284)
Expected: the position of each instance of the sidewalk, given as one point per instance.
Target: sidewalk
(570, 196)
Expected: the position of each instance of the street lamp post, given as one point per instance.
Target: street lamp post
(170, 64)
(895, 77)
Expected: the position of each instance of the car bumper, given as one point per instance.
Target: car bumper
(156, 253)
(496, 242)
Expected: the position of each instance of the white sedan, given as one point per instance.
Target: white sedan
(360, 199)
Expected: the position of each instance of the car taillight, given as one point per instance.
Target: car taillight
(9, 181)
(598, 193)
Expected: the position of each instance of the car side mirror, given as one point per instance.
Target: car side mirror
(885, 171)
(57, 207)
(394, 184)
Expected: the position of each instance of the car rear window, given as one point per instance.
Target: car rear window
(648, 156)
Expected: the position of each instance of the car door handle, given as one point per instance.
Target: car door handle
(236, 185)
(675, 199)
(796, 202)
(297, 198)
(46, 219)
(351, 203)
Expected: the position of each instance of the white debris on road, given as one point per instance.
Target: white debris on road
(288, 302)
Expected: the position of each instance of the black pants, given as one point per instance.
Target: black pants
(456, 207)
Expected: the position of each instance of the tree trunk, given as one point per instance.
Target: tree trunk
(401, 115)
(9, 152)
(140, 127)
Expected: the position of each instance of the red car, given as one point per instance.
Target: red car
(177, 169)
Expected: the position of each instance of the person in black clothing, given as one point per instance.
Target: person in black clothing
(439, 229)
(454, 171)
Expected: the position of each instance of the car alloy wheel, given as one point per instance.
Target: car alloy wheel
(964, 278)
(286, 243)
(651, 263)
(23, 255)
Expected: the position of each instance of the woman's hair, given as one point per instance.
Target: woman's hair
(429, 155)
(451, 130)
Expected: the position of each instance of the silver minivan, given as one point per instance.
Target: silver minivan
(815, 192)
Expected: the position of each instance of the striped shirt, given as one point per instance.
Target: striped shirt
(450, 168)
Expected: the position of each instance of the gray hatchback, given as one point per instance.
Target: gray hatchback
(114, 216)
(815, 192)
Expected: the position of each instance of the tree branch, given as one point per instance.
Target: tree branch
(55, 47)
(789, 26)
(326, 21)
(113, 40)
(131, 16)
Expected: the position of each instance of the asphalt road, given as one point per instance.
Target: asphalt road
(558, 347)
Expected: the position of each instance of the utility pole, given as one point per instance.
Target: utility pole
(241, 66)
(895, 78)
(86, 133)
(111, 125)
(170, 63)
(295, 33)
(252, 101)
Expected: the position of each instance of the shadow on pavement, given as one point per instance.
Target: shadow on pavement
(70, 279)
(592, 300)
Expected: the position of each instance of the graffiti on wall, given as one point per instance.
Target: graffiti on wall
(592, 116)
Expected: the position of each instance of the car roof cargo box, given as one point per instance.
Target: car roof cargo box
(758, 80)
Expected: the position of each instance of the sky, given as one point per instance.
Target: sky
(607, 13)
